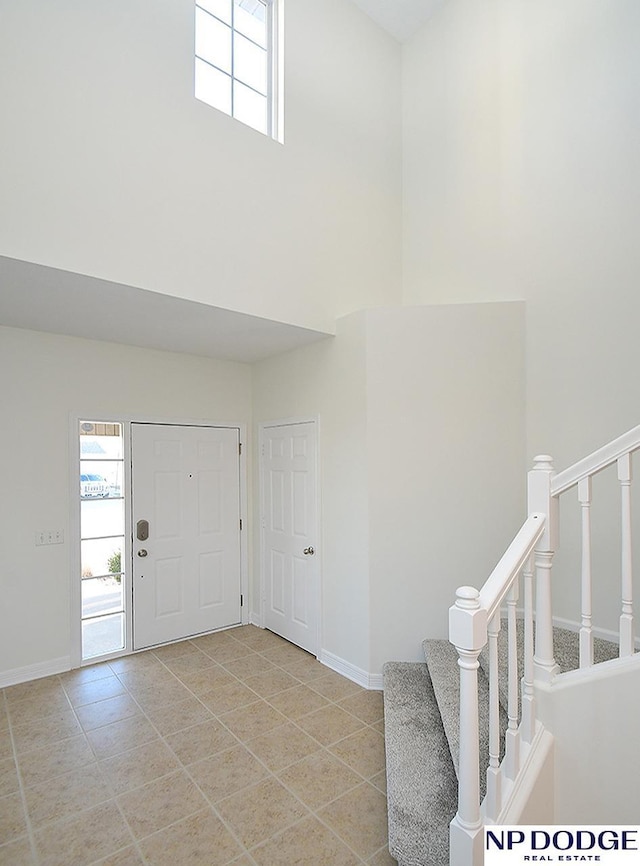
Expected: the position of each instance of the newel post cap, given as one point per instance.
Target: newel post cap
(467, 620)
(543, 462)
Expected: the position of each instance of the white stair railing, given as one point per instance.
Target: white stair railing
(472, 620)
(618, 452)
(475, 620)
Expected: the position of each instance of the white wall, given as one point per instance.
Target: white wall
(522, 127)
(328, 380)
(445, 422)
(110, 167)
(521, 181)
(44, 378)
(421, 437)
(594, 721)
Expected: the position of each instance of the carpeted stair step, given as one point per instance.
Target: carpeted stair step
(566, 649)
(422, 717)
(442, 661)
(422, 788)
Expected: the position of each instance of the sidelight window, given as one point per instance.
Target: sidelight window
(102, 532)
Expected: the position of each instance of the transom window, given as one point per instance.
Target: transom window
(235, 65)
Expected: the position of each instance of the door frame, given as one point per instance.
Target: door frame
(75, 595)
(262, 427)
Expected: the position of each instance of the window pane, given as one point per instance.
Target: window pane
(100, 440)
(219, 8)
(102, 595)
(250, 18)
(213, 87)
(100, 518)
(213, 41)
(102, 635)
(101, 557)
(101, 478)
(250, 63)
(250, 107)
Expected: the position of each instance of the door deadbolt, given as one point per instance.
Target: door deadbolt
(142, 530)
(308, 551)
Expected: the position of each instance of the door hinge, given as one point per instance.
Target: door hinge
(240, 524)
(242, 601)
(239, 447)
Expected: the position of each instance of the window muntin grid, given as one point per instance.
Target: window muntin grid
(102, 538)
(234, 59)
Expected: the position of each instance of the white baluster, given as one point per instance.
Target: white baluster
(493, 799)
(626, 618)
(540, 499)
(528, 694)
(586, 631)
(512, 737)
(468, 633)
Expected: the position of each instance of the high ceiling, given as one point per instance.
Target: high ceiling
(40, 298)
(400, 17)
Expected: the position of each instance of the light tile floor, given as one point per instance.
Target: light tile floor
(232, 748)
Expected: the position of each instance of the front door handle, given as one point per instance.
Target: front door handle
(142, 552)
(308, 551)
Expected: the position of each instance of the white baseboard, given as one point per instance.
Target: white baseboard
(602, 633)
(255, 619)
(35, 672)
(353, 673)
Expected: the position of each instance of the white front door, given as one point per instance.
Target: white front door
(290, 535)
(186, 531)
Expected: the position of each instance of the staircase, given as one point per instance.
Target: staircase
(422, 731)
(462, 728)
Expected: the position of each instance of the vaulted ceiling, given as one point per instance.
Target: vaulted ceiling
(400, 17)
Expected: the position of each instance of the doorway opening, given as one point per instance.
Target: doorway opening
(290, 560)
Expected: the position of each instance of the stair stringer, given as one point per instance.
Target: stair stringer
(529, 799)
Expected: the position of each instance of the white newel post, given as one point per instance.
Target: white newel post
(468, 633)
(540, 499)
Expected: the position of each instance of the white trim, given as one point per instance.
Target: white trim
(602, 633)
(353, 673)
(75, 594)
(277, 70)
(596, 462)
(35, 672)
(290, 422)
(519, 792)
(595, 672)
(246, 524)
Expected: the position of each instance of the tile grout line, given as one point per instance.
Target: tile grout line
(27, 818)
(312, 812)
(277, 665)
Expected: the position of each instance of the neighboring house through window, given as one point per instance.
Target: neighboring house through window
(236, 68)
